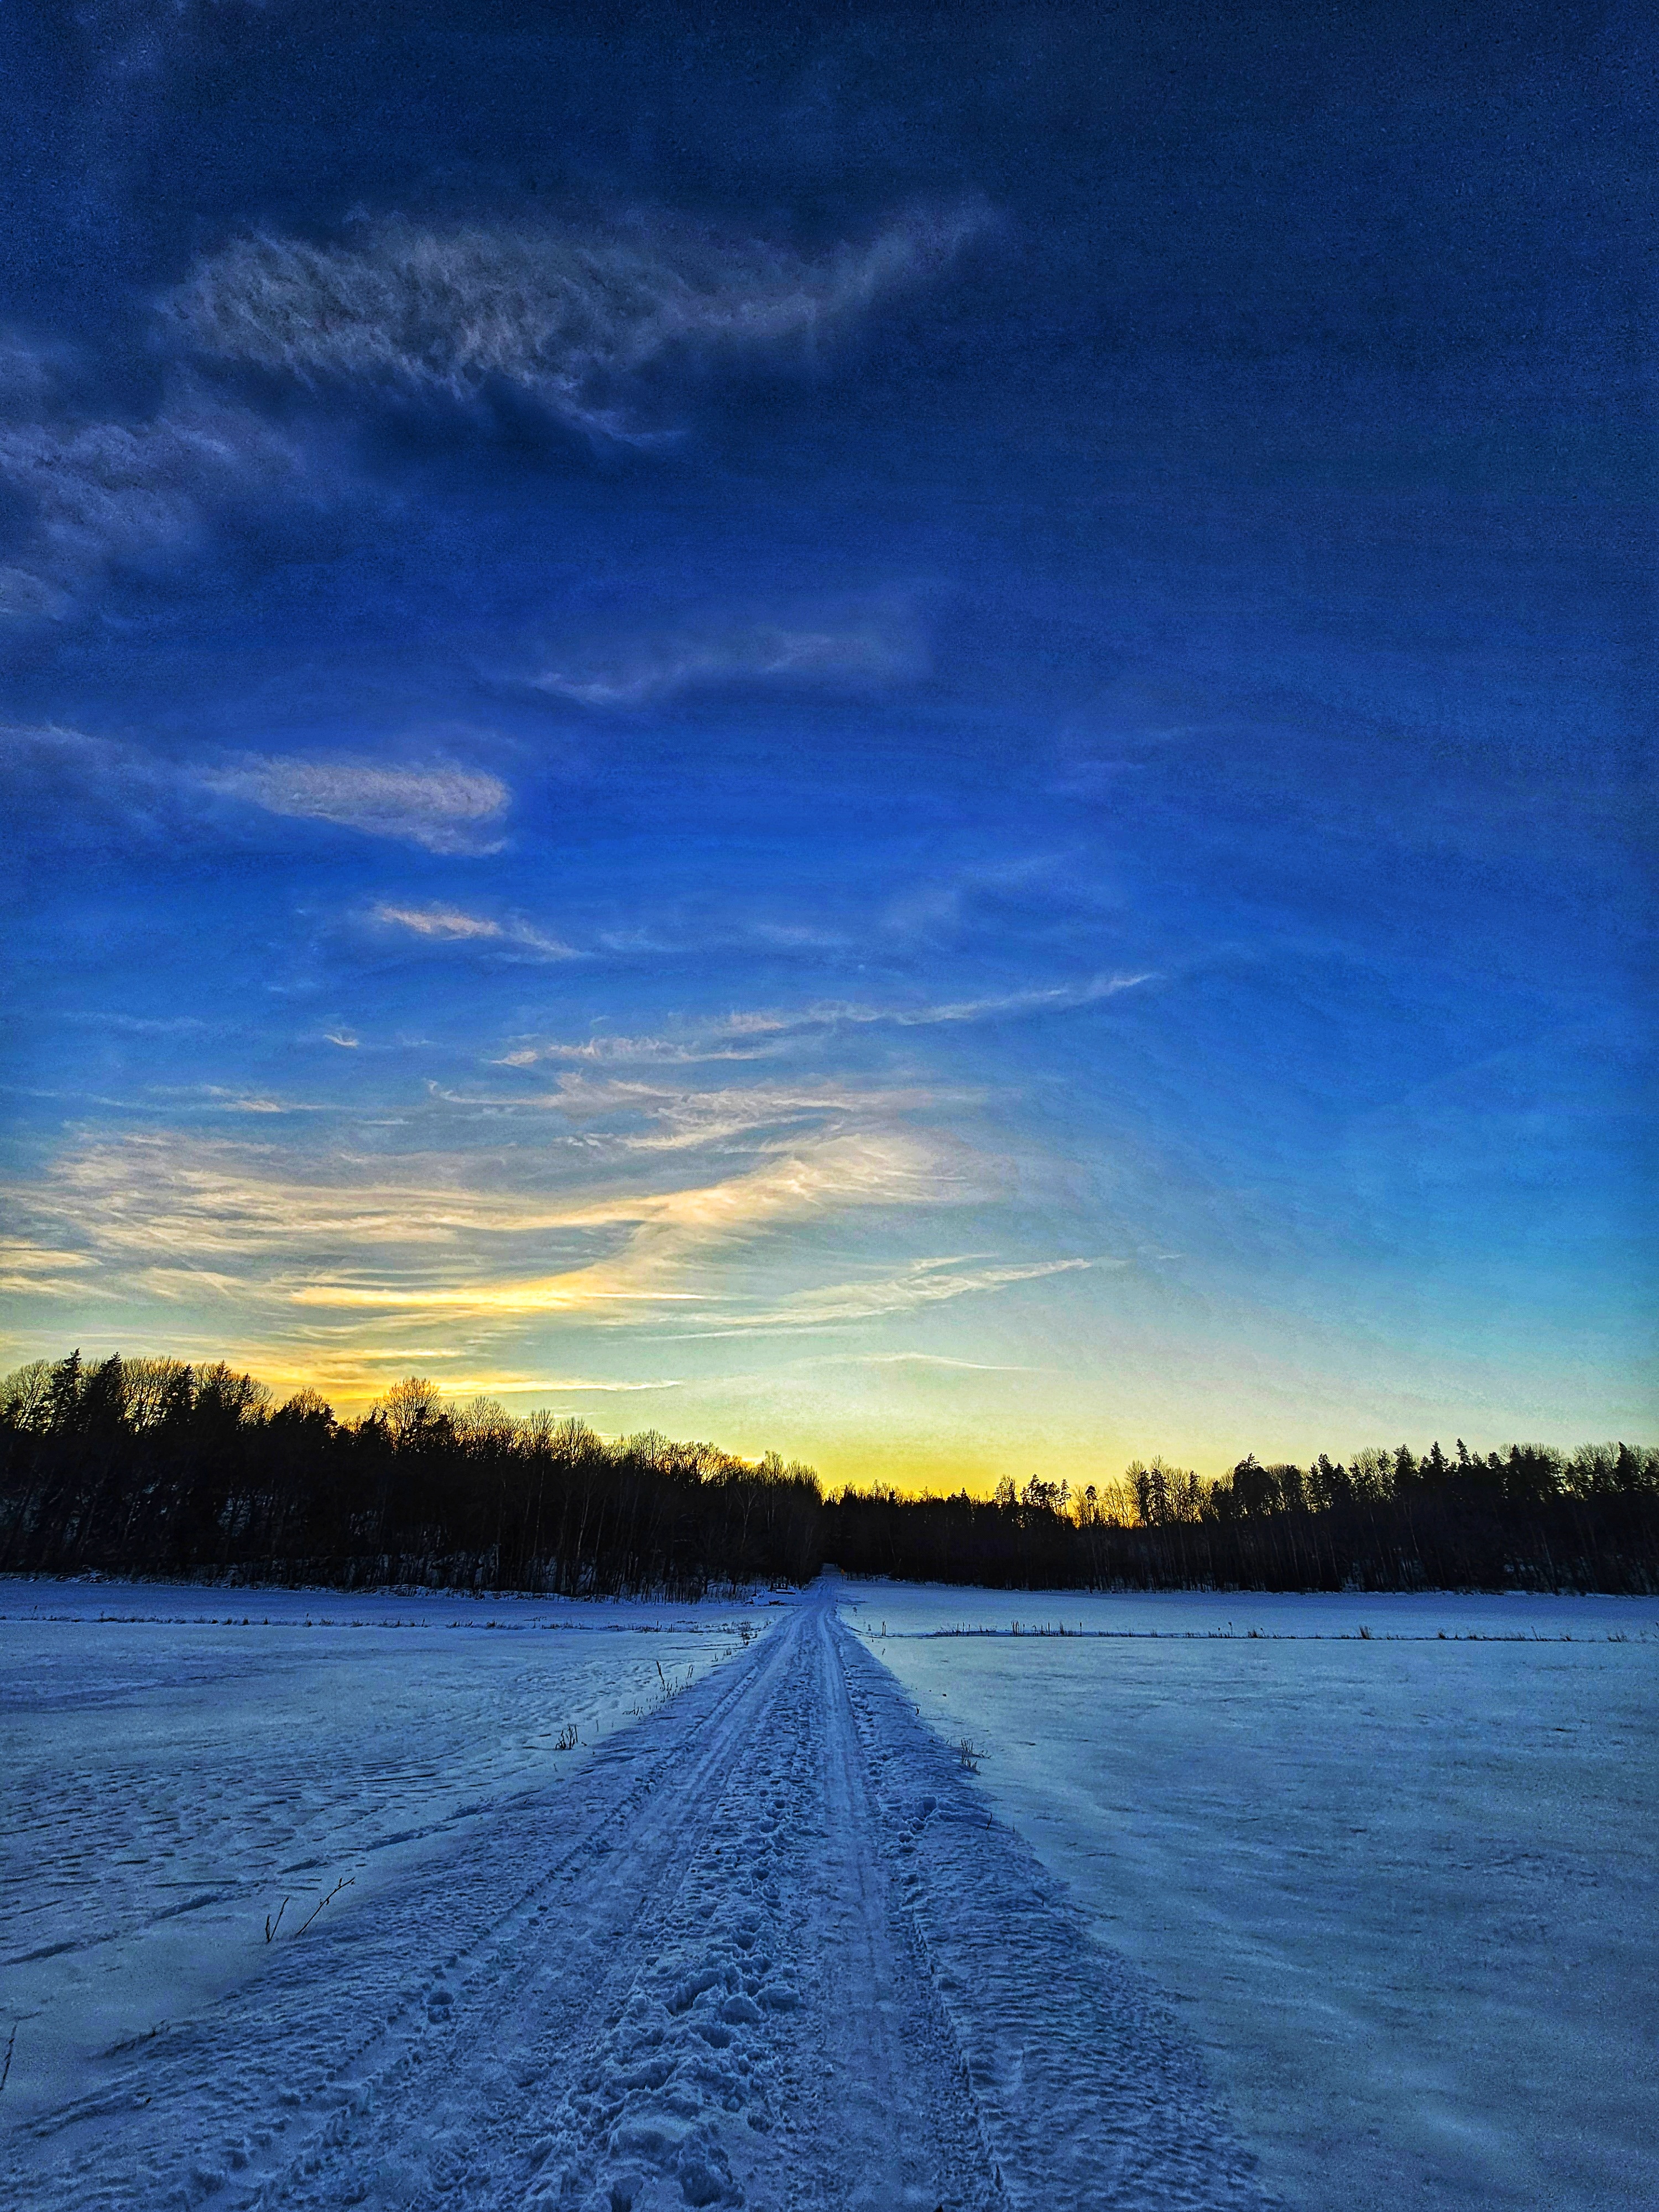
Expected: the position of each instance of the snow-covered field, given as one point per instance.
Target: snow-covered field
(761, 1938)
(176, 1761)
(761, 1944)
(1405, 1891)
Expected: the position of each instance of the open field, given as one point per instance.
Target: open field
(762, 1945)
(1243, 1906)
(1403, 1891)
(178, 1759)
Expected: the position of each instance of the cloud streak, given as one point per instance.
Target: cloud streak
(438, 806)
(33, 1270)
(682, 1119)
(572, 315)
(751, 1035)
(160, 1195)
(924, 1283)
(449, 925)
(434, 805)
(65, 779)
(99, 492)
(841, 648)
(672, 1235)
(177, 1218)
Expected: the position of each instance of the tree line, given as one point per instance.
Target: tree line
(1529, 1518)
(153, 1467)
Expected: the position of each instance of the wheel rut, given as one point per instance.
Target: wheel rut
(766, 1949)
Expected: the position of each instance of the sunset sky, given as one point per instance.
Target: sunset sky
(910, 734)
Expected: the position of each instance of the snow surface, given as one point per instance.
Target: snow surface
(1404, 1892)
(761, 1937)
(178, 1759)
(764, 1943)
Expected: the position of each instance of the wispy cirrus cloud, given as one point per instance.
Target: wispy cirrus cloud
(841, 646)
(934, 1358)
(433, 804)
(449, 925)
(574, 315)
(340, 1266)
(35, 1270)
(172, 1215)
(128, 41)
(357, 1372)
(672, 1235)
(751, 1035)
(586, 318)
(684, 1118)
(148, 1025)
(29, 373)
(162, 1195)
(924, 1283)
(96, 492)
(70, 783)
(220, 1098)
(166, 1192)
(565, 1385)
(437, 805)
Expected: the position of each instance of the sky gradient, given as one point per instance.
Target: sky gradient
(929, 751)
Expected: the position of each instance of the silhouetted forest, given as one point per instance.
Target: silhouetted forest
(1530, 1517)
(150, 1467)
(145, 1467)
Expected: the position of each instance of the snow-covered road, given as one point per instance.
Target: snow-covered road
(766, 1946)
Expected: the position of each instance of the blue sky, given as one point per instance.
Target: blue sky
(929, 752)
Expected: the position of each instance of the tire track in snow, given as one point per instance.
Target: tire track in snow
(766, 1949)
(258, 2095)
(1091, 2094)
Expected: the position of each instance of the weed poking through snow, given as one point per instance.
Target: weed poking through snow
(273, 1922)
(346, 1881)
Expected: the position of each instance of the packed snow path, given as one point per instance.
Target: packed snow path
(766, 1948)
